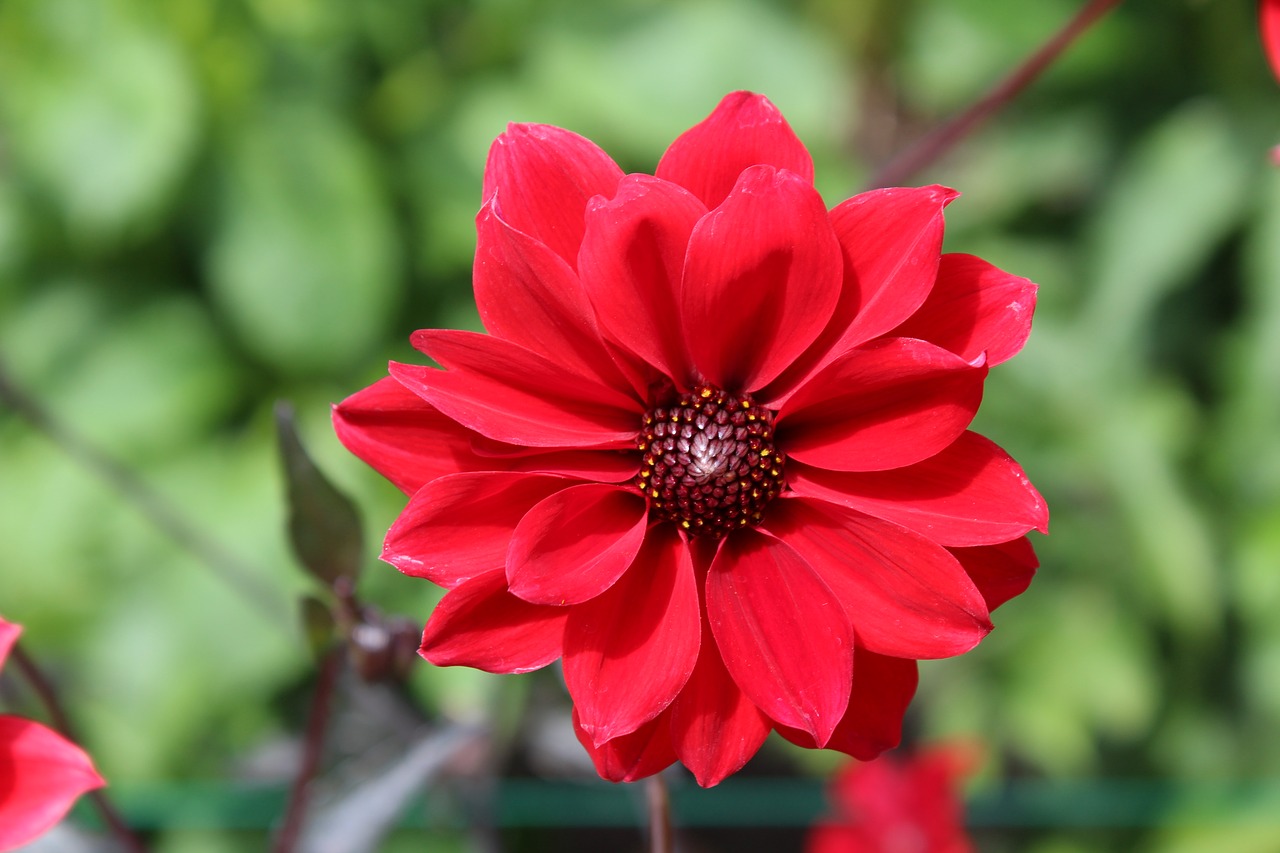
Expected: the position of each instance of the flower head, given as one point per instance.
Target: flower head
(713, 451)
(41, 773)
(898, 806)
(1269, 24)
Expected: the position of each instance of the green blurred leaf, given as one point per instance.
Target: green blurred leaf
(1166, 212)
(303, 260)
(324, 525)
(101, 108)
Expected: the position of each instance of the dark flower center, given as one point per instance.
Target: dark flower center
(710, 464)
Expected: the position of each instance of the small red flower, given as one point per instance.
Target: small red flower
(41, 773)
(1269, 24)
(892, 806)
(713, 451)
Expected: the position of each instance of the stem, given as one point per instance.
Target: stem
(313, 746)
(48, 697)
(946, 136)
(659, 814)
(243, 578)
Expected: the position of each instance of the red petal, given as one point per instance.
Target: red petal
(629, 650)
(528, 295)
(1269, 23)
(906, 596)
(759, 593)
(642, 753)
(481, 625)
(573, 546)
(744, 130)
(460, 526)
(760, 280)
(42, 775)
(974, 309)
(891, 241)
(882, 690)
(631, 264)
(1000, 571)
(511, 394)
(884, 405)
(714, 726)
(402, 436)
(605, 466)
(9, 633)
(971, 493)
(544, 176)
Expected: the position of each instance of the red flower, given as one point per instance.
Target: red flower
(41, 773)
(888, 806)
(1269, 23)
(713, 450)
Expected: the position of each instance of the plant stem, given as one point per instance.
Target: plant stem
(659, 814)
(243, 578)
(946, 136)
(313, 747)
(48, 697)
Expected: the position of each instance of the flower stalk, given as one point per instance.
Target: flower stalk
(659, 814)
(48, 698)
(938, 142)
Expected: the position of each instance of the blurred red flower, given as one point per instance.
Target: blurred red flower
(898, 806)
(41, 773)
(713, 451)
(1269, 23)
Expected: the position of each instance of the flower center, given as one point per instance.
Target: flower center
(710, 463)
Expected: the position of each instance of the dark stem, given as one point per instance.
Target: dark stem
(48, 697)
(946, 136)
(312, 748)
(659, 814)
(241, 577)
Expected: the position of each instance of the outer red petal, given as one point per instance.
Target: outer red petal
(543, 176)
(9, 633)
(402, 436)
(529, 295)
(481, 625)
(629, 650)
(631, 264)
(1269, 23)
(511, 394)
(642, 753)
(576, 543)
(884, 405)
(971, 493)
(1001, 571)
(460, 526)
(891, 240)
(906, 596)
(41, 775)
(744, 130)
(882, 690)
(714, 726)
(975, 308)
(783, 635)
(760, 279)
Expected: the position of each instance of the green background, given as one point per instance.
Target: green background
(209, 206)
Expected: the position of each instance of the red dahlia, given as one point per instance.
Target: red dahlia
(41, 773)
(1269, 24)
(889, 805)
(713, 451)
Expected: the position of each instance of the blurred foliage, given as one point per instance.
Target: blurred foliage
(209, 205)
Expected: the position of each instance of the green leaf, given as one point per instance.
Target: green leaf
(303, 261)
(324, 525)
(1171, 205)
